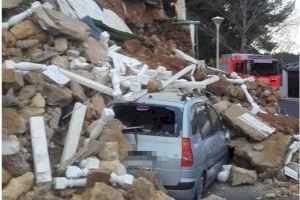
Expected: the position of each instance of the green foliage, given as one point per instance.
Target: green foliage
(247, 27)
(286, 57)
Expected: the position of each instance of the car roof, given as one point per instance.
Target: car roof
(165, 98)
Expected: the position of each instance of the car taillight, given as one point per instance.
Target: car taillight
(187, 154)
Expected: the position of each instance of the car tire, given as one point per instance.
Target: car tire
(200, 188)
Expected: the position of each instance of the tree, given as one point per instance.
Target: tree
(248, 24)
(286, 57)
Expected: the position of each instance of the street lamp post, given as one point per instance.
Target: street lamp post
(217, 21)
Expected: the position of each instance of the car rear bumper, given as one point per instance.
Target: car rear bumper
(184, 191)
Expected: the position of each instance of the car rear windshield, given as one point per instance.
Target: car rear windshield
(147, 120)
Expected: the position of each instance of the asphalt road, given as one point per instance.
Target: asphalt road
(289, 106)
(243, 192)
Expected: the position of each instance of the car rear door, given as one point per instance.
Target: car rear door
(212, 139)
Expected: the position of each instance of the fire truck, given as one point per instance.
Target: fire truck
(261, 67)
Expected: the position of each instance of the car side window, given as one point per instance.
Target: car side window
(200, 122)
(194, 119)
(204, 123)
(215, 120)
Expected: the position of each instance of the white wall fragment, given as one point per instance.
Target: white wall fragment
(259, 126)
(74, 131)
(40, 150)
(125, 181)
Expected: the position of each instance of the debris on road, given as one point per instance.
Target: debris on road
(65, 62)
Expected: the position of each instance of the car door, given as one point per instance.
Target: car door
(218, 132)
(214, 141)
(211, 141)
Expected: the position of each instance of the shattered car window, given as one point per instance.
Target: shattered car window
(149, 120)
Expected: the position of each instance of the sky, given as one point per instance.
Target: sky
(289, 37)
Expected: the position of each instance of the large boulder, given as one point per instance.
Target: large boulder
(267, 160)
(38, 101)
(98, 103)
(219, 87)
(6, 176)
(239, 176)
(97, 175)
(78, 91)
(18, 186)
(28, 111)
(24, 29)
(15, 164)
(12, 79)
(56, 96)
(113, 166)
(284, 124)
(144, 189)
(27, 92)
(52, 19)
(109, 151)
(113, 133)
(94, 50)
(33, 78)
(101, 191)
(12, 122)
(247, 123)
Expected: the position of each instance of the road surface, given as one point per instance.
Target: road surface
(290, 106)
(243, 192)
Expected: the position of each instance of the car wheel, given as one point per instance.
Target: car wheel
(200, 188)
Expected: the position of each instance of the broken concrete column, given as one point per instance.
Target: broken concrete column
(125, 181)
(60, 183)
(132, 96)
(195, 84)
(106, 115)
(74, 131)
(178, 75)
(76, 172)
(90, 163)
(19, 17)
(115, 79)
(78, 64)
(24, 66)
(255, 108)
(40, 150)
(51, 70)
(87, 82)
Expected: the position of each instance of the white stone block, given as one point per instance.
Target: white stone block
(40, 150)
(74, 131)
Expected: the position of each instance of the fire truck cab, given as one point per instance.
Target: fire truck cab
(261, 67)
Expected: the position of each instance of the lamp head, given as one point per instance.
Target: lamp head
(217, 20)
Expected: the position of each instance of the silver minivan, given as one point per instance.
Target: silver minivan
(180, 138)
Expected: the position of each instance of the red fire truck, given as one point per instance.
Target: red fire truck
(261, 67)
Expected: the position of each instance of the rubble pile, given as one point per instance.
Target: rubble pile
(261, 92)
(62, 68)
